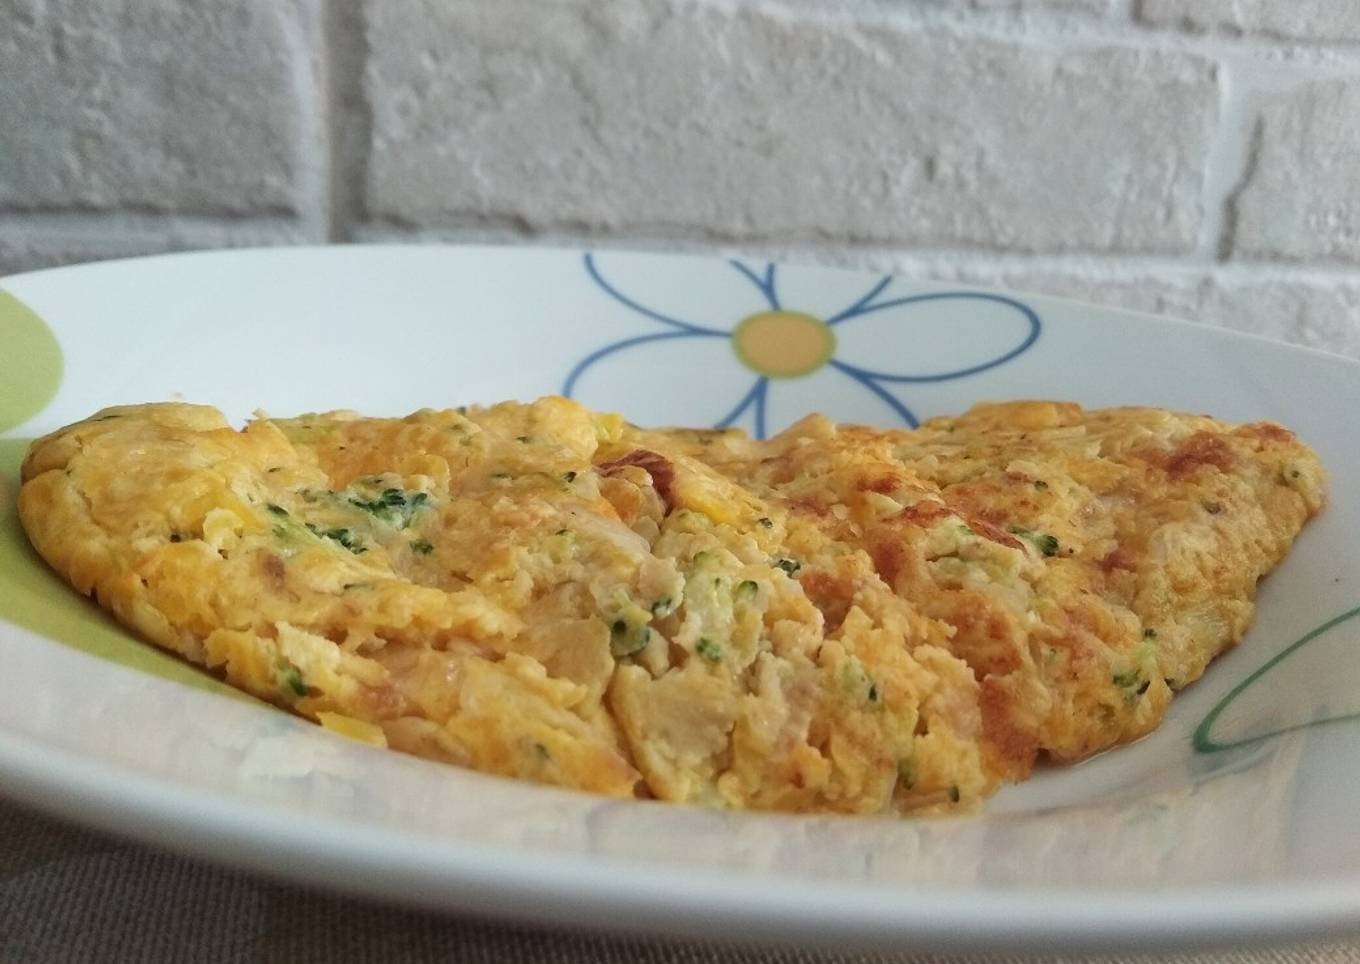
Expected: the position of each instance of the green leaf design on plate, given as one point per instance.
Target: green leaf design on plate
(36, 598)
(30, 362)
(1295, 703)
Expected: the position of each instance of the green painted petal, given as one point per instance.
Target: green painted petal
(1318, 688)
(36, 598)
(30, 362)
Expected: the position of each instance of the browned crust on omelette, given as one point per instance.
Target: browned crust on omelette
(1089, 563)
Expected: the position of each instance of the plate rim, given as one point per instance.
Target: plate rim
(251, 834)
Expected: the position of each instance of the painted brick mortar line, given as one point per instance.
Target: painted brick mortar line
(132, 221)
(914, 263)
(307, 48)
(328, 107)
(1226, 165)
(346, 112)
(1255, 143)
(1116, 29)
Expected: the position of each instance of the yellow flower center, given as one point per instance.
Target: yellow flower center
(783, 344)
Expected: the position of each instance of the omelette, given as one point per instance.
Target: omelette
(838, 619)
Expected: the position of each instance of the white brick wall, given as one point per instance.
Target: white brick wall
(1198, 157)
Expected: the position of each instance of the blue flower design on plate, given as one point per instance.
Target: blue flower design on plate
(786, 347)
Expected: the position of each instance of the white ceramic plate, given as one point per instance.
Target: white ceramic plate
(1235, 820)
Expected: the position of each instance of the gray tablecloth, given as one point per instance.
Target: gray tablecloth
(69, 895)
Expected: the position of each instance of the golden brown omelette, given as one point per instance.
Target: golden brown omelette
(839, 619)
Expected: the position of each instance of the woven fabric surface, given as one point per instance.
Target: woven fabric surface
(69, 896)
